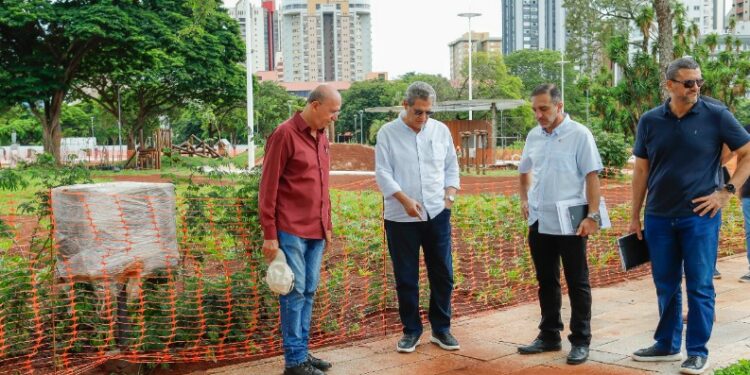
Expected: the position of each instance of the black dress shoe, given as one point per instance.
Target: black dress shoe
(318, 363)
(578, 355)
(304, 368)
(539, 346)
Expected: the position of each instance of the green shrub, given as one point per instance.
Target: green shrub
(740, 368)
(613, 149)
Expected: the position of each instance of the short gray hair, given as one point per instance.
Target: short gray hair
(548, 88)
(420, 90)
(681, 63)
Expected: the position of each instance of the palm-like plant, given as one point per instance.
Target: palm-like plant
(645, 21)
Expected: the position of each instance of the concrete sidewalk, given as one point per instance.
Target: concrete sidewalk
(624, 318)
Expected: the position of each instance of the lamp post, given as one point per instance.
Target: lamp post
(354, 135)
(289, 105)
(469, 16)
(249, 67)
(361, 127)
(119, 124)
(562, 63)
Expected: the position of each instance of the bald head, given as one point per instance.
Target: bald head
(323, 106)
(322, 93)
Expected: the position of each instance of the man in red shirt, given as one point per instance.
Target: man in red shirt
(295, 214)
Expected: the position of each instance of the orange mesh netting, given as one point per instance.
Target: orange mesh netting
(207, 302)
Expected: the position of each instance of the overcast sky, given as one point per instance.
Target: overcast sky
(413, 35)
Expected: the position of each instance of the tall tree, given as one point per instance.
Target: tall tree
(491, 78)
(167, 69)
(367, 94)
(592, 24)
(536, 67)
(43, 46)
(645, 21)
(442, 86)
(664, 42)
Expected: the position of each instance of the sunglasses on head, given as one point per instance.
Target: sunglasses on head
(689, 83)
(419, 112)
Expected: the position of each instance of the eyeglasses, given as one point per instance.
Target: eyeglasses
(688, 84)
(419, 112)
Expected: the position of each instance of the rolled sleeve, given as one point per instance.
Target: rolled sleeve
(589, 159)
(383, 167)
(452, 178)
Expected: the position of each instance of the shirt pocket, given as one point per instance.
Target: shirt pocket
(438, 151)
(562, 161)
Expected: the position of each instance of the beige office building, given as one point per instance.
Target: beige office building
(459, 50)
(326, 40)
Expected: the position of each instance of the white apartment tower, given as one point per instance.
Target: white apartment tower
(326, 40)
(707, 14)
(264, 32)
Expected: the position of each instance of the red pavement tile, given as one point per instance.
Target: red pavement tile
(588, 368)
(377, 363)
(432, 366)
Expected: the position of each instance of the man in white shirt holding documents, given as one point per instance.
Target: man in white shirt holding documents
(560, 162)
(417, 170)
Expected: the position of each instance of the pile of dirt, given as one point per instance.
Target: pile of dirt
(352, 157)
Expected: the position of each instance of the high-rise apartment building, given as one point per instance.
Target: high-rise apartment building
(707, 14)
(326, 40)
(533, 24)
(264, 32)
(459, 49)
(741, 10)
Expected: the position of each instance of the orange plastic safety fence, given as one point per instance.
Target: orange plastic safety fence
(211, 304)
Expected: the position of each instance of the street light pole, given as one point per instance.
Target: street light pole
(562, 63)
(250, 105)
(362, 127)
(469, 16)
(119, 123)
(355, 128)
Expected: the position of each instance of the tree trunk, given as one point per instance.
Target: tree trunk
(49, 117)
(665, 42)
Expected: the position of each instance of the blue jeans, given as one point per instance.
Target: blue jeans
(746, 214)
(690, 242)
(404, 241)
(304, 257)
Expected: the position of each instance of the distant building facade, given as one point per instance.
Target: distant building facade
(264, 33)
(459, 50)
(533, 24)
(326, 40)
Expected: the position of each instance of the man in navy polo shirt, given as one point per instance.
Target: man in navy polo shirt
(678, 150)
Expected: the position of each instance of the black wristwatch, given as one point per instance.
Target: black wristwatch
(730, 188)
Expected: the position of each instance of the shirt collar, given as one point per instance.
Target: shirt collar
(403, 124)
(696, 108)
(560, 129)
(300, 123)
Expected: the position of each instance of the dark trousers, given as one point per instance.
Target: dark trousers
(404, 241)
(546, 251)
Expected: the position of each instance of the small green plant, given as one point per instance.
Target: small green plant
(613, 150)
(740, 368)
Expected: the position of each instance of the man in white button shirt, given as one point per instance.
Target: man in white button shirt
(417, 170)
(560, 161)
